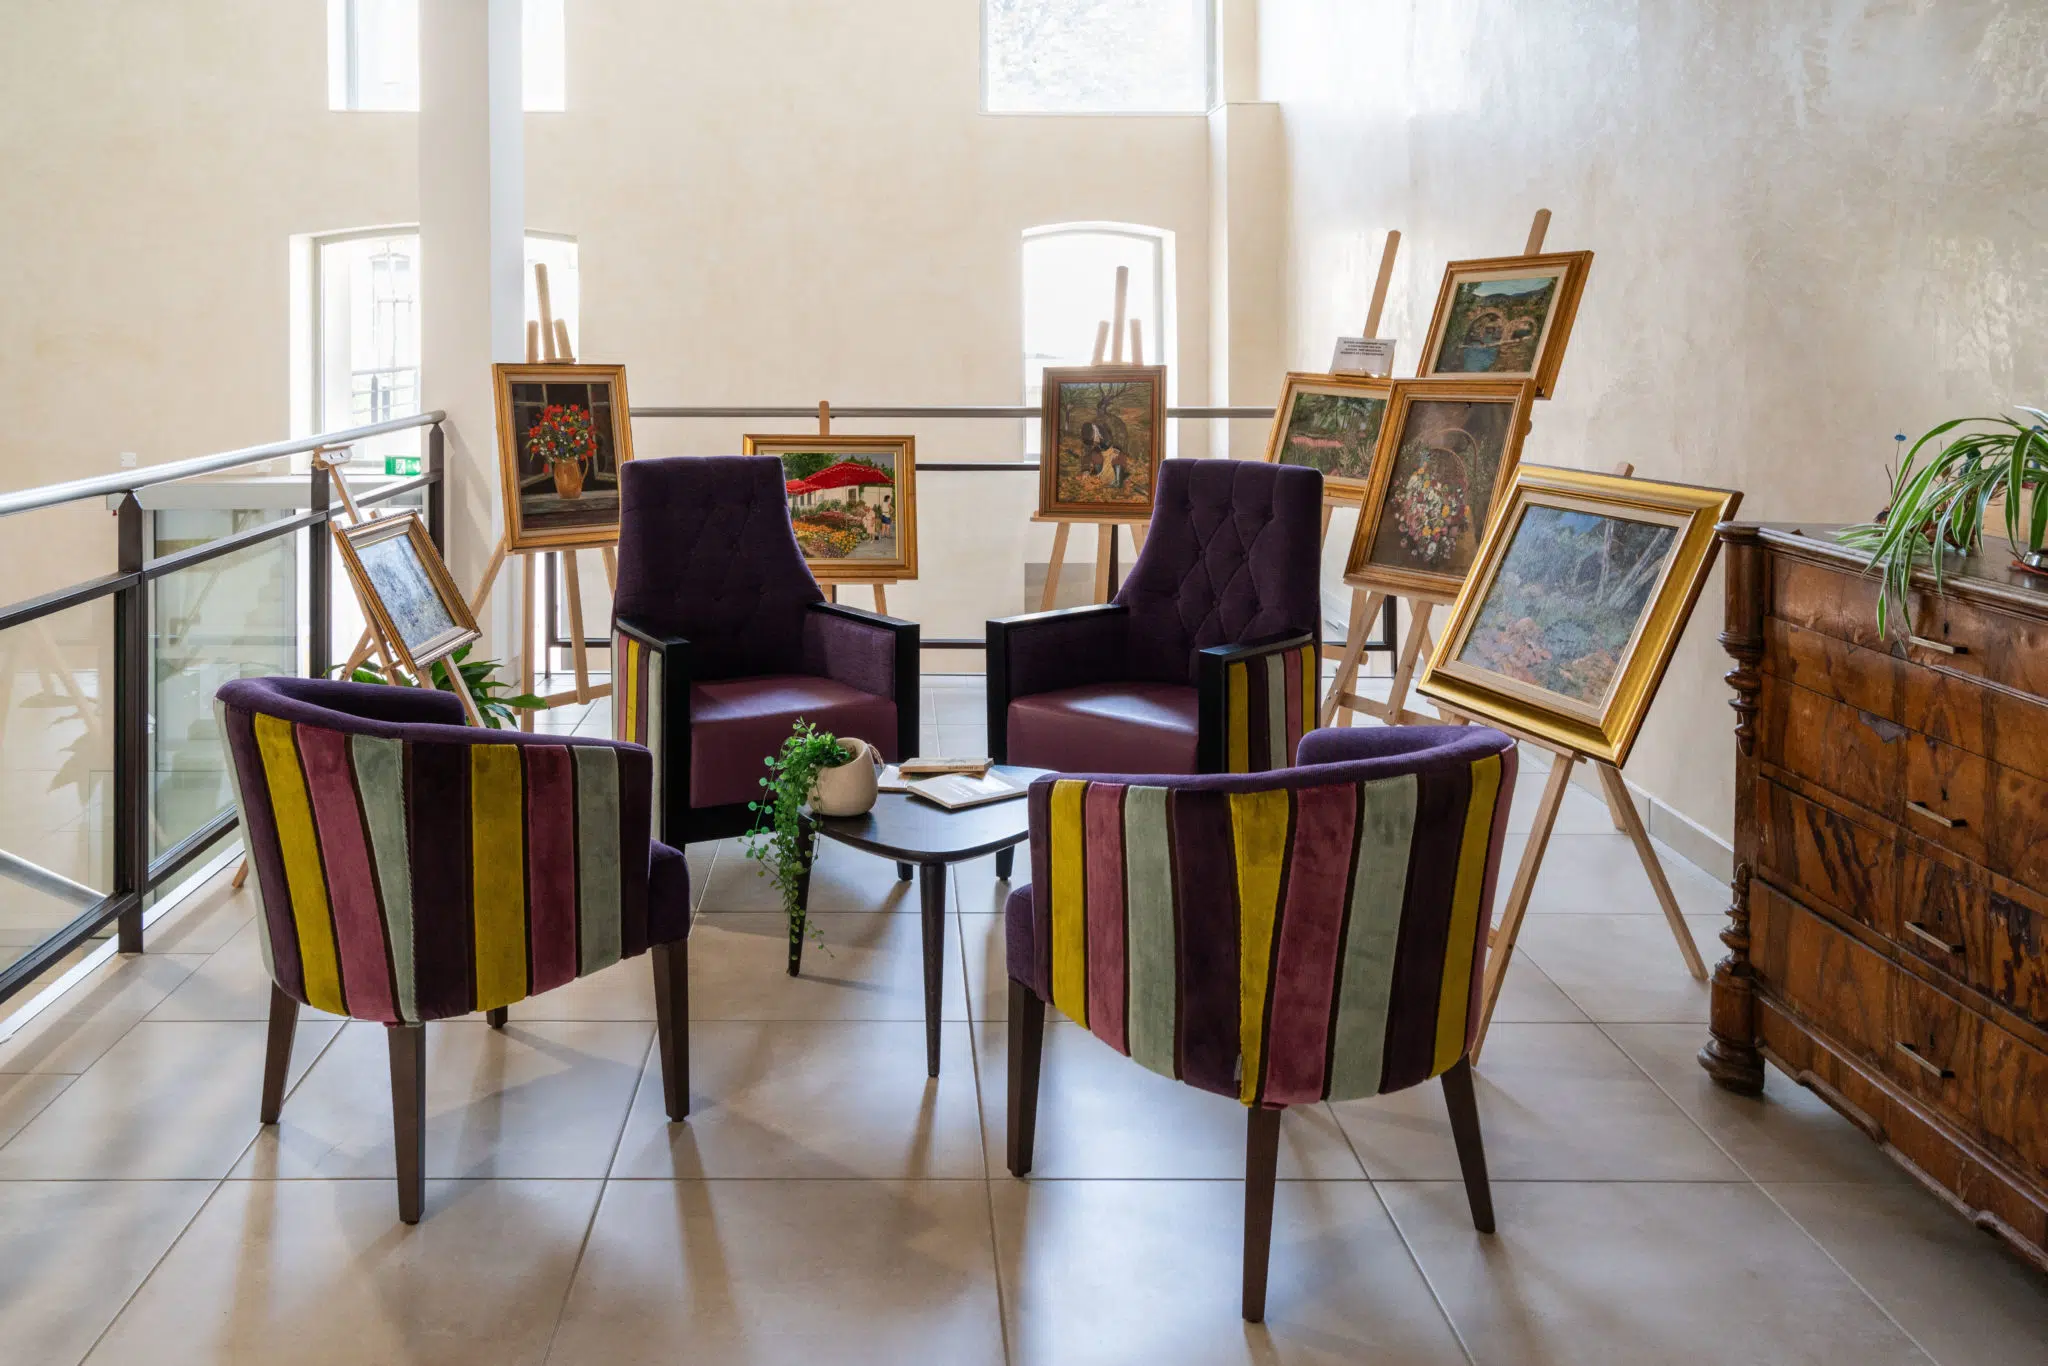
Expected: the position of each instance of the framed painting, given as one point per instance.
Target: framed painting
(406, 590)
(563, 433)
(1331, 423)
(1104, 432)
(852, 503)
(1447, 450)
(1508, 317)
(1572, 612)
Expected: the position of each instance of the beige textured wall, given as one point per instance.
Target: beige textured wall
(1817, 224)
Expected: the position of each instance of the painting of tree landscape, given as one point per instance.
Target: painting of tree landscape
(1564, 608)
(1335, 432)
(1496, 327)
(1103, 440)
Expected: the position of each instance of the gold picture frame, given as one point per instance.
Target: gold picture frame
(1419, 524)
(1103, 433)
(1338, 437)
(569, 504)
(1485, 327)
(864, 516)
(1606, 566)
(406, 591)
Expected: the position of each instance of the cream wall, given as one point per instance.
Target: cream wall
(1817, 224)
(777, 201)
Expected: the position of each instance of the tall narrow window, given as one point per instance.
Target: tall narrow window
(373, 54)
(1097, 56)
(1070, 287)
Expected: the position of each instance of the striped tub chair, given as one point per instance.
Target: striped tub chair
(412, 868)
(1310, 933)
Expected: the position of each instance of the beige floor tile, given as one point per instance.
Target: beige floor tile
(987, 965)
(1582, 813)
(1601, 873)
(1150, 1271)
(75, 1030)
(71, 1253)
(1557, 1102)
(321, 1273)
(765, 1272)
(623, 991)
(231, 984)
(1623, 968)
(870, 966)
(1528, 996)
(789, 1099)
(1786, 1134)
(956, 708)
(541, 1100)
(206, 919)
(976, 888)
(1633, 1273)
(1963, 1297)
(842, 879)
(171, 1101)
(23, 1096)
(1102, 1116)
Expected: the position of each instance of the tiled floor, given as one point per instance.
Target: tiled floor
(826, 1203)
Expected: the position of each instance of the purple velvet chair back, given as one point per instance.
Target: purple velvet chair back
(1234, 554)
(706, 552)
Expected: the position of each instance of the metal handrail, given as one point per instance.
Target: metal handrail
(128, 481)
(928, 410)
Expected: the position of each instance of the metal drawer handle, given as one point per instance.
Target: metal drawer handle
(1923, 809)
(1918, 1060)
(1941, 646)
(1919, 930)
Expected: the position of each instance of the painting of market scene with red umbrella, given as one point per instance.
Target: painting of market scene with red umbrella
(852, 503)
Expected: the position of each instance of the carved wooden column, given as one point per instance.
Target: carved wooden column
(1730, 1055)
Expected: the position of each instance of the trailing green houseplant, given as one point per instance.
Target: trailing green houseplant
(495, 700)
(777, 840)
(1946, 502)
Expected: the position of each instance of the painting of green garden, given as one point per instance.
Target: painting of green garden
(1571, 592)
(1334, 433)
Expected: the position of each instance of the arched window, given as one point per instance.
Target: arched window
(1097, 56)
(1070, 287)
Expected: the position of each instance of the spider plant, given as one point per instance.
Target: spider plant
(1945, 502)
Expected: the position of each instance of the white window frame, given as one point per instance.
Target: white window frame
(341, 87)
(1212, 82)
(1160, 349)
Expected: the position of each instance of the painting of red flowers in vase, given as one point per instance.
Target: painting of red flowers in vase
(562, 435)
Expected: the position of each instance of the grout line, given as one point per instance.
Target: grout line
(988, 1185)
(1415, 1260)
(1847, 1275)
(155, 1266)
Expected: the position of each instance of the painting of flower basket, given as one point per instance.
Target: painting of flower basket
(1447, 450)
(852, 503)
(563, 432)
(1331, 423)
(1104, 433)
(1575, 604)
(1507, 317)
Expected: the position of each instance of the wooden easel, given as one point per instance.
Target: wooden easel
(832, 586)
(1109, 336)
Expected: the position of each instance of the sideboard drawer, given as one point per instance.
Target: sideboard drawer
(1976, 927)
(1855, 754)
(1825, 976)
(1989, 1083)
(1990, 814)
(1846, 865)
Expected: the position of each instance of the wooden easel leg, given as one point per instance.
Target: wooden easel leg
(528, 580)
(831, 591)
(1502, 941)
(882, 599)
(490, 577)
(241, 874)
(1412, 648)
(1054, 565)
(1138, 530)
(1619, 802)
(1105, 540)
(1324, 535)
(578, 651)
(476, 718)
(1363, 607)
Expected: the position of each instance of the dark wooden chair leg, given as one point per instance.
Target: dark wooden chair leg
(498, 1016)
(1464, 1108)
(931, 895)
(808, 845)
(277, 1059)
(672, 1023)
(903, 871)
(1261, 1168)
(1006, 861)
(408, 1045)
(1027, 1046)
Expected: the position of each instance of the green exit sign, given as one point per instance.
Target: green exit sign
(401, 464)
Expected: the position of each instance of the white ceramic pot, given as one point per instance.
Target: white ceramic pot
(848, 789)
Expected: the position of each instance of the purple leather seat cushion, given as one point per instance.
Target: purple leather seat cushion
(1106, 728)
(738, 722)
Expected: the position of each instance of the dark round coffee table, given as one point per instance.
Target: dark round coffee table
(913, 832)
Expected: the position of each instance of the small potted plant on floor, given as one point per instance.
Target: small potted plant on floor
(1945, 502)
(813, 766)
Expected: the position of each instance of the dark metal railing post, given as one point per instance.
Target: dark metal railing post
(319, 558)
(131, 723)
(437, 491)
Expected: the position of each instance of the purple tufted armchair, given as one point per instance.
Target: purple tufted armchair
(1207, 659)
(721, 640)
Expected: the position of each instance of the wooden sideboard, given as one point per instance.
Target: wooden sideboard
(1888, 933)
